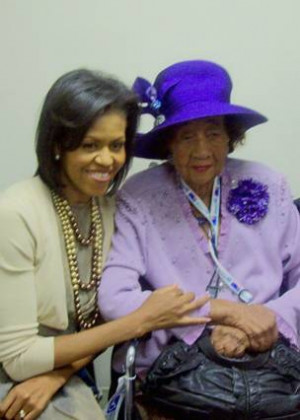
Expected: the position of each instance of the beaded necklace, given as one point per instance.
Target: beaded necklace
(72, 234)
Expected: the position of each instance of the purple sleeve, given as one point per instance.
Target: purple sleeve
(287, 306)
(120, 291)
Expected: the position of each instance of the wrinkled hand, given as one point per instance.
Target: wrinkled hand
(169, 307)
(257, 321)
(229, 341)
(32, 396)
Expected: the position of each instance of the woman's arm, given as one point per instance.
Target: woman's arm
(23, 353)
(164, 308)
(287, 305)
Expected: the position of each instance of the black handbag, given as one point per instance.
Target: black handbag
(195, 382)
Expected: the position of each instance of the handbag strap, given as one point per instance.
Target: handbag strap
(248, 361)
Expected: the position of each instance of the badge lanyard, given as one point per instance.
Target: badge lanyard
(213, 217)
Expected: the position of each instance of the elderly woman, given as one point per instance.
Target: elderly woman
(55, 233)
(210, 223)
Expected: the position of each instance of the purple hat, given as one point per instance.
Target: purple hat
(183, 92)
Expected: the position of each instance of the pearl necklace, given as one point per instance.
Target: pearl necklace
(71, 233)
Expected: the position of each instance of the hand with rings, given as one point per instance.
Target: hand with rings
(28, 399)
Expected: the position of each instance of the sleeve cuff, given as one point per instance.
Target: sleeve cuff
(190, 334)
(38, 359)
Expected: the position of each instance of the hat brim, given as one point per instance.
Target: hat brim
(149, 145)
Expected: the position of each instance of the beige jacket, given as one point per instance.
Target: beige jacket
(32, 283)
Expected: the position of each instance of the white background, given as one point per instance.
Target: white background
(256, 40)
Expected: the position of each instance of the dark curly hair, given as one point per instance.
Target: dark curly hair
(235, 131)
(70, 108)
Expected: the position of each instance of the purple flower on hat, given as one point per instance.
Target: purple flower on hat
(249, 201)
(148, 96)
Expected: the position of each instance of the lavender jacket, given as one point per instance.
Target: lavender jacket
(158, 242)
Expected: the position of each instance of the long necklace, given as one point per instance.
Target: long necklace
(72, 233)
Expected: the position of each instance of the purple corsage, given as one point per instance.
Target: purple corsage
(248, 201)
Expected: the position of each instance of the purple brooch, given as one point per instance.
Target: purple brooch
(248, 201)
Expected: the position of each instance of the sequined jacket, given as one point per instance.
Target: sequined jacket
(158, 242)
(32, 283)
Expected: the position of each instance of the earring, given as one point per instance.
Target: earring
(57, 157)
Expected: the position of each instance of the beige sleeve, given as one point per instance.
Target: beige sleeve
(23, 352)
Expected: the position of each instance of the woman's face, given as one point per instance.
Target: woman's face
(199, 150)
(89, 170)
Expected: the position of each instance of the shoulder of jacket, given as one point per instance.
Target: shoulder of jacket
(241, 169)
(29, 199)
(148, 181)
(25, 191)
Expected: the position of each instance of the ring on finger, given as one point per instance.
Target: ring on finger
(22, 414)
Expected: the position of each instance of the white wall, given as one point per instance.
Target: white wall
(256, 40)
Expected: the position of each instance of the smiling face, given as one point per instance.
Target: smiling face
(88, 170)
(199, 150)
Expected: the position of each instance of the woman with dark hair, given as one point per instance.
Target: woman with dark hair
(213, 224)
(55, 234)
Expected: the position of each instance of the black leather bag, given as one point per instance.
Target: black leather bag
(195, 382)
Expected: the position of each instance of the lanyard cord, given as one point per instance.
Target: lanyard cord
(213, 218)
